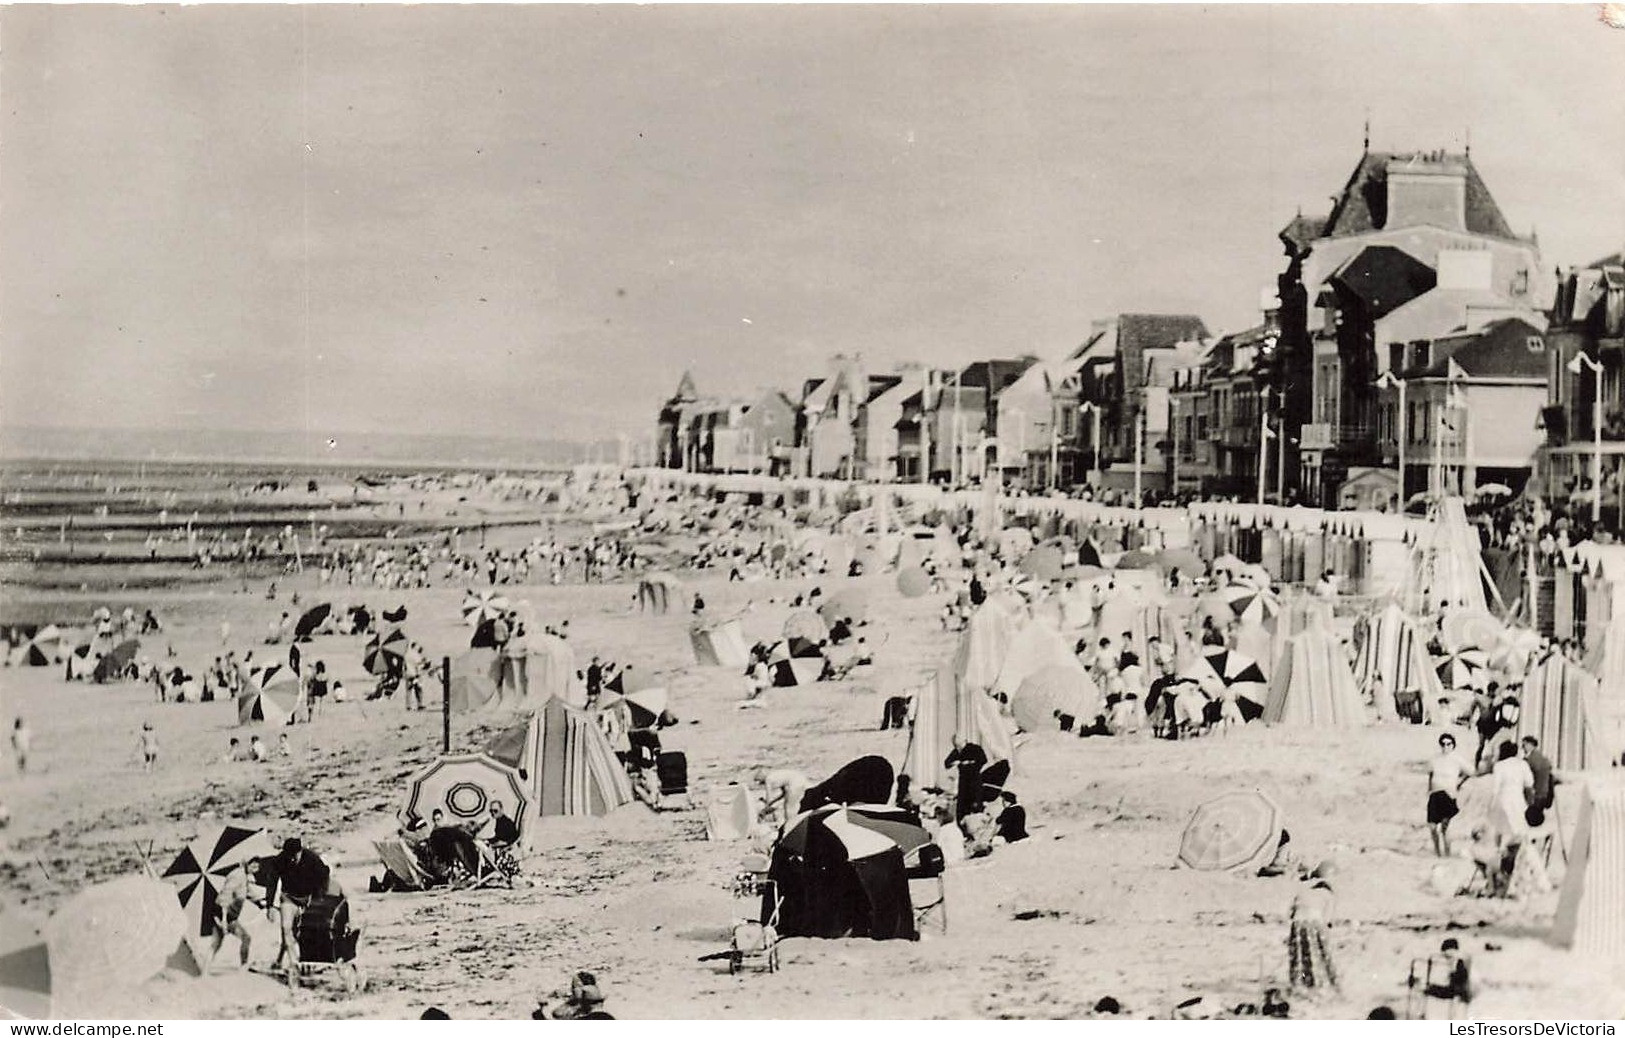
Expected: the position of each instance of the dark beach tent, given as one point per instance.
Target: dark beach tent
(840, 871)
(396, 615)
(867, 780)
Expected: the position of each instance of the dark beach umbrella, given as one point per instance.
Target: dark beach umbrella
(117, 660)
(311, 620)
(396, 615)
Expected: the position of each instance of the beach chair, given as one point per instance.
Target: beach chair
(402, 864)
(671, 777)
(756, 943)
(926, 869)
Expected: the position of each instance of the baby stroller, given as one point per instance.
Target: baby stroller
(327, 941)
(755, 942)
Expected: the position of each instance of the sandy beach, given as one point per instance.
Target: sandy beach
(1091, 906)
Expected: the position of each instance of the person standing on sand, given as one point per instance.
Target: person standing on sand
(969, 759)
(516, 656)
(1446, 775)
(148, 745)
(21, 739)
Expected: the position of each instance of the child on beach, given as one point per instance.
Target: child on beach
(148, 744)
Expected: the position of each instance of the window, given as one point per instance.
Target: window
(1534, 344)
(1396, 357)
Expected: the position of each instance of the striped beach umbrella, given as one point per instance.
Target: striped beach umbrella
(1465, 668)
(481, 606)
(200, 870)
(386, 653)
(464, 786)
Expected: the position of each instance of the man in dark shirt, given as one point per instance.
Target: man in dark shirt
(595, 680)
(292, 879)
(969, 759)
(1542, 795)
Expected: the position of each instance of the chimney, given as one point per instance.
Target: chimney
(1427, 190)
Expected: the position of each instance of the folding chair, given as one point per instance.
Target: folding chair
(927, 870)
(757, 942)
(399, 862)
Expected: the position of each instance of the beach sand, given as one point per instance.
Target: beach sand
(1091, 906)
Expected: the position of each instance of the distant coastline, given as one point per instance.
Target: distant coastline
(289, 449)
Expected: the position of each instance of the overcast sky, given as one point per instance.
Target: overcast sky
(530, 220)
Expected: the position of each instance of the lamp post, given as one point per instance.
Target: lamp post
(1581, 359)
(1390, 381)
(1092, 408)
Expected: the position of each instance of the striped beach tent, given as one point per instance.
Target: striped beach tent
(946, 707)
(564, 756)
(984, 644)
(1556, 696)
(1393, 651)
(1590, 915)
(1313, 685)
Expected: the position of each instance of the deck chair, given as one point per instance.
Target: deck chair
(400, 863)
(671, 777)
(925, 870)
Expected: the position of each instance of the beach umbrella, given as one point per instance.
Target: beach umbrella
(45, 647)
(1471, 629)
(119, 657)
(396, 615)
(863, 830)
(788, 669)
(310, 620)
(25, 964)
(1061, 688)
(1464, 668)
(483, 606)
(642, 707)
(464, 785)
(913, 582)
(473, 679)
(386, 652)
(1494, 490)
(1227, 669)
(1231, 831)
(1043, 563)
(806, 624)
(200, 870)
(266, 695)
(1136, 560)
(849, 603)
(114, 935)
(1251, 604)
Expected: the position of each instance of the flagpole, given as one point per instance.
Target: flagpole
(445, 704)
